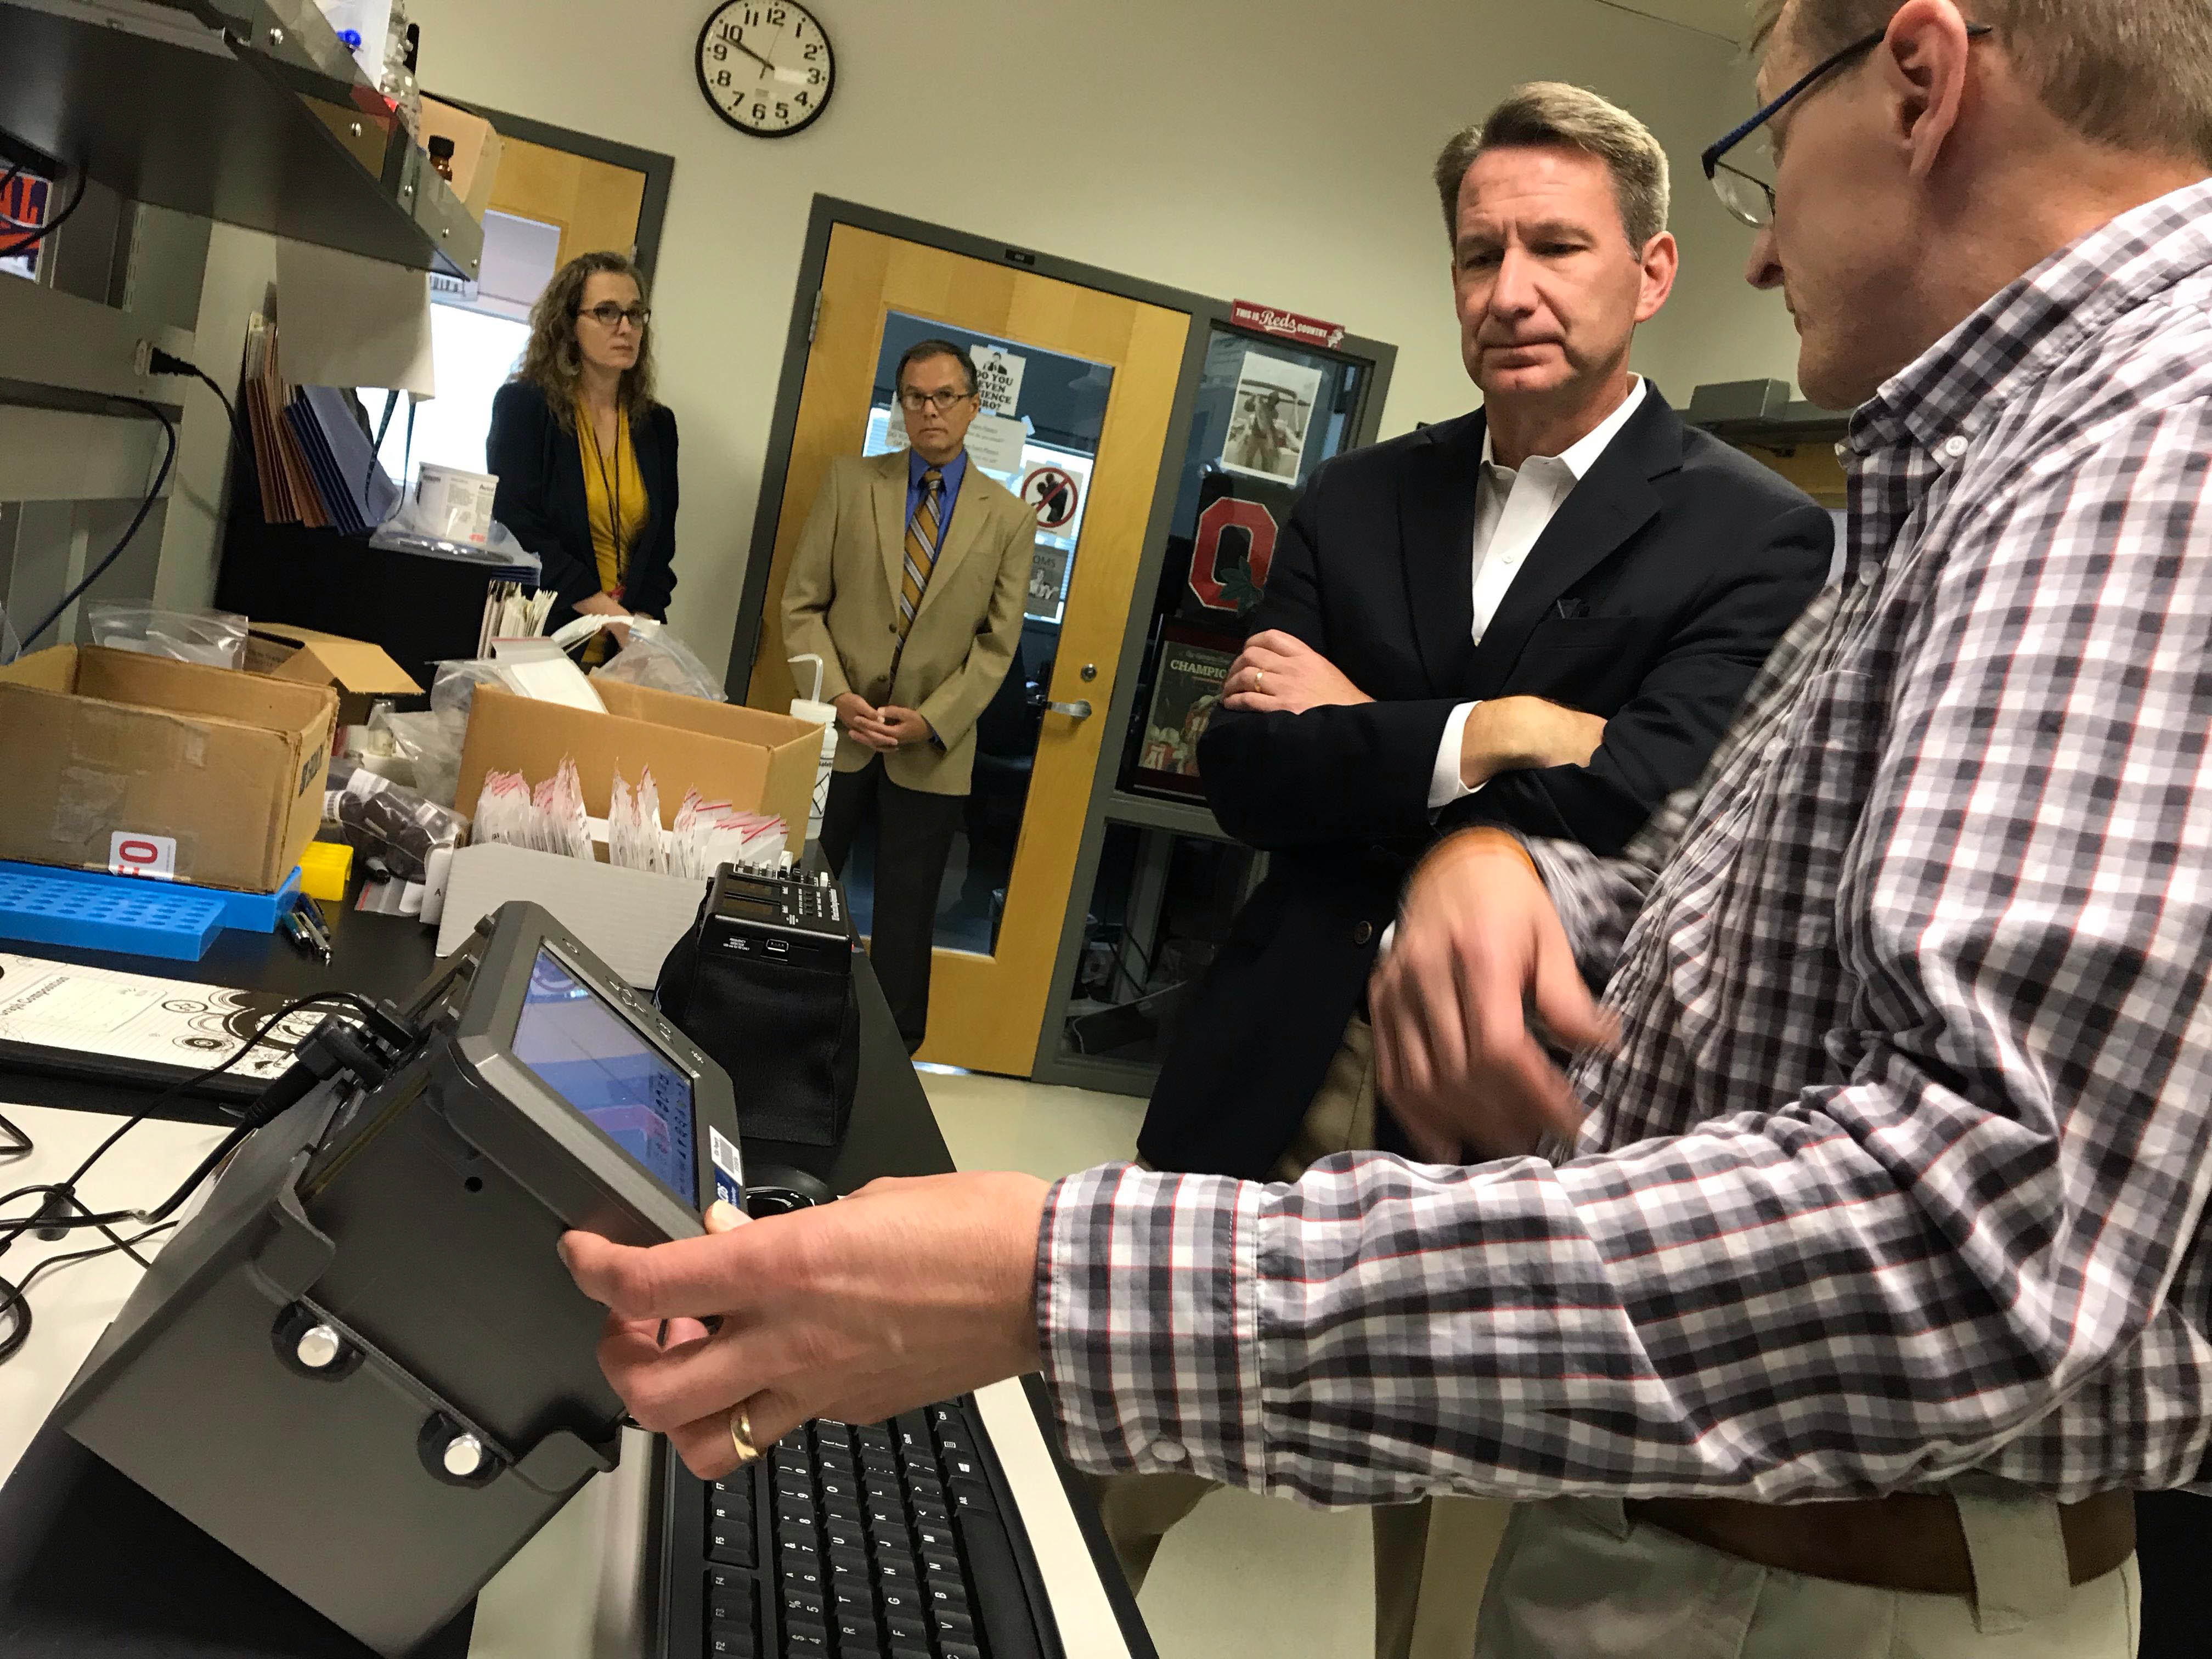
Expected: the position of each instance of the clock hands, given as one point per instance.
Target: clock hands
(736, 40)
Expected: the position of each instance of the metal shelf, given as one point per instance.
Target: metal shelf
(248, 112)
(1152, 812)
(1762, 413)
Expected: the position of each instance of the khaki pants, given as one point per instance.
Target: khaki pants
(1431, 1557)
(1577, 1579)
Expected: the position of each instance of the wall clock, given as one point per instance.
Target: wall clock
(766, 66)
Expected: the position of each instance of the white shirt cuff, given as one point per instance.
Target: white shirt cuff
(1445, 785)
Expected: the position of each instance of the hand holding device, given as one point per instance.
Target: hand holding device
(906, 1292)
(1478, 949)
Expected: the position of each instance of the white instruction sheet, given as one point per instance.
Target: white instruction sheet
(131, 1016)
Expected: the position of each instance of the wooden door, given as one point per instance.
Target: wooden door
(988, 1005)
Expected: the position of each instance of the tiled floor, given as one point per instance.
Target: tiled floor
(1245, 1576)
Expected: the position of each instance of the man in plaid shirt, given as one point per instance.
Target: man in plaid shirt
(1880, 1178)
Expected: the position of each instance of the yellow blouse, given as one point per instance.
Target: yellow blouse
(615, 498)
(614, 494)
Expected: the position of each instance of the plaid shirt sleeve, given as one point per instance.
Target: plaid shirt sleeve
(1846, 1285)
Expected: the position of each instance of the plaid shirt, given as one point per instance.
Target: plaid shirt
(1899, 1167)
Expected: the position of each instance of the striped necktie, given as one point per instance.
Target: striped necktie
(921, 538)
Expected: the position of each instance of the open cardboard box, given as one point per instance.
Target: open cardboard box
(359, 671)
(756, 761)
(475, 151)
(116, 761)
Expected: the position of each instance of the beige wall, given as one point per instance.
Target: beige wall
(1276, 152)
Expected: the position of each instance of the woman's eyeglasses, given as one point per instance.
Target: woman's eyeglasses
(608, 315)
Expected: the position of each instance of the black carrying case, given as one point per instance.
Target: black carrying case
(764, 986)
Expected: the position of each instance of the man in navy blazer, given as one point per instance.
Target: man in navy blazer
(1541, 615)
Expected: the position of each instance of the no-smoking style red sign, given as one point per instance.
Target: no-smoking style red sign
(1053, 494)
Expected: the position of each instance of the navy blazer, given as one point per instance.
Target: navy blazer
(541, 501)
(1652, 599)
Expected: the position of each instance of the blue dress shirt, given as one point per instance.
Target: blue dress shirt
(954, 471)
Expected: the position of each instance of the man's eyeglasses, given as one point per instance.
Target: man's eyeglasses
(1751, 199)
(608, 315)
(941, 400)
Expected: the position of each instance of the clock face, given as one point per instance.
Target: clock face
(766, 66)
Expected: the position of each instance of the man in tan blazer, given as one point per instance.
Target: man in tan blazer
(907, 582)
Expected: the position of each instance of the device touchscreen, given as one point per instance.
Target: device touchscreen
(604, 1067)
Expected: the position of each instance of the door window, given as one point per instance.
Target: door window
(1267, 414)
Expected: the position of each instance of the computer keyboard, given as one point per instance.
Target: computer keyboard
(880, 1541)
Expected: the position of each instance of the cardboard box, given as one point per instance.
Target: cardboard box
(756, 761)
(360, 672)
(476, 152)
(142, 765)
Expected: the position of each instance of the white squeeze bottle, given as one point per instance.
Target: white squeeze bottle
(824, 715)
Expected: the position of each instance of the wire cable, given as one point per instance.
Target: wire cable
(15, 1305)
(168, 363)
(161, 478)
(52, 1217)
(53, 1193)
(24, 245)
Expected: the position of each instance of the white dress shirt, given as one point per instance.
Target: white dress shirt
(1512, 511)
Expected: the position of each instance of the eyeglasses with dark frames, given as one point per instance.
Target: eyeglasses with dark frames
(941, 400)
(607, 314)
(1752, 199)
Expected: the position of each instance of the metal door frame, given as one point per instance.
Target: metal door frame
(1047, 1064)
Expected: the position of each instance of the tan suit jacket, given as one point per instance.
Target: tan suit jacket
(840, 602)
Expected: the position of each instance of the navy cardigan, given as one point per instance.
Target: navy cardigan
(541, 500)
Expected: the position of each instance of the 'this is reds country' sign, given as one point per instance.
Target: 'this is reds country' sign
(1287, 325)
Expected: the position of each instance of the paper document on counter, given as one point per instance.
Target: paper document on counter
(133, 1017)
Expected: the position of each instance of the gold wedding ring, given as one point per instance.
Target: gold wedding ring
(1258, 679)
(741, 1435)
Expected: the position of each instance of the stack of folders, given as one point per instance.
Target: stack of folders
(317, 465)
(513, 611)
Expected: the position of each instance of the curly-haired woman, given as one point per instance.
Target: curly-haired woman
(585, 459)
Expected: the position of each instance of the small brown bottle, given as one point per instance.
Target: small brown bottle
(442, 157)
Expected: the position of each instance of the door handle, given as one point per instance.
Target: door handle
(1074, 711)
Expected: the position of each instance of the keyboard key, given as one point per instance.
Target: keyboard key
(731, 1601)
(953, 1626)
(960, 1650)
(730, 1641)
(809, 1640)
(935, 1537)
(902, 1629)
(949, 1594)
(899, 1602)
(858, 1638)
(731, 1548)
(845, 1560)
(936, 1561)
